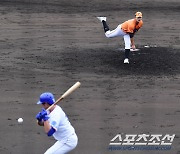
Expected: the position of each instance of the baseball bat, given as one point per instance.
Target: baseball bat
(68, 92)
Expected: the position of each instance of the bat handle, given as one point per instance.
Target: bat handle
(54, 103)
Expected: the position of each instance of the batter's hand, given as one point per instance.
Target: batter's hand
(39, 117)
(42, 115)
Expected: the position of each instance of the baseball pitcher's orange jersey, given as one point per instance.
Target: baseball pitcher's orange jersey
(130, 25)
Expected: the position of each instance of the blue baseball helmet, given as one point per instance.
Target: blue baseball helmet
(46, 97)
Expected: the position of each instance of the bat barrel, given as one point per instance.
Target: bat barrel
(68, 92)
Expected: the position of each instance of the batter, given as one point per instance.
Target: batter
(56, 124)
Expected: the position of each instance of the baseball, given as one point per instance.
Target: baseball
(20, 120)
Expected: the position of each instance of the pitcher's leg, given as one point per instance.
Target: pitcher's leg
(105, 26)
(116, 32)
(127, 42)
(127, 51)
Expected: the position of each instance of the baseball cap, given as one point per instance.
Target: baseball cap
(46, 97)
(138, 14)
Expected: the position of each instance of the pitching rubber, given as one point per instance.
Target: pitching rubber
(134, 49)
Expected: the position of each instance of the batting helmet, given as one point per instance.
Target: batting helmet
(46, 97)
(138, 14)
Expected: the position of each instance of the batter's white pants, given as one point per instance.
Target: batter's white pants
(63, 147)
(119, 32)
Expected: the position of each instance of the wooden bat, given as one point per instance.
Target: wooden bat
(68, 92)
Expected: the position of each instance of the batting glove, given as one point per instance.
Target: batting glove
(42, 115)
(39, 117)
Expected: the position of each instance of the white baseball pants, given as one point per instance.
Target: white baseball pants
(63, 147)
(119, 32)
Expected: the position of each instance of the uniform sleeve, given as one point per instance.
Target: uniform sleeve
(55, 121)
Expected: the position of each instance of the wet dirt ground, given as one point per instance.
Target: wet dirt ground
(48, 46)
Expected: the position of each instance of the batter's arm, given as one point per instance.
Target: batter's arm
(48, 128)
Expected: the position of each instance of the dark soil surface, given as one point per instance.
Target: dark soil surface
(49, 45)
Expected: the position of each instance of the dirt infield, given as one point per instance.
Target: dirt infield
(48, 46)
